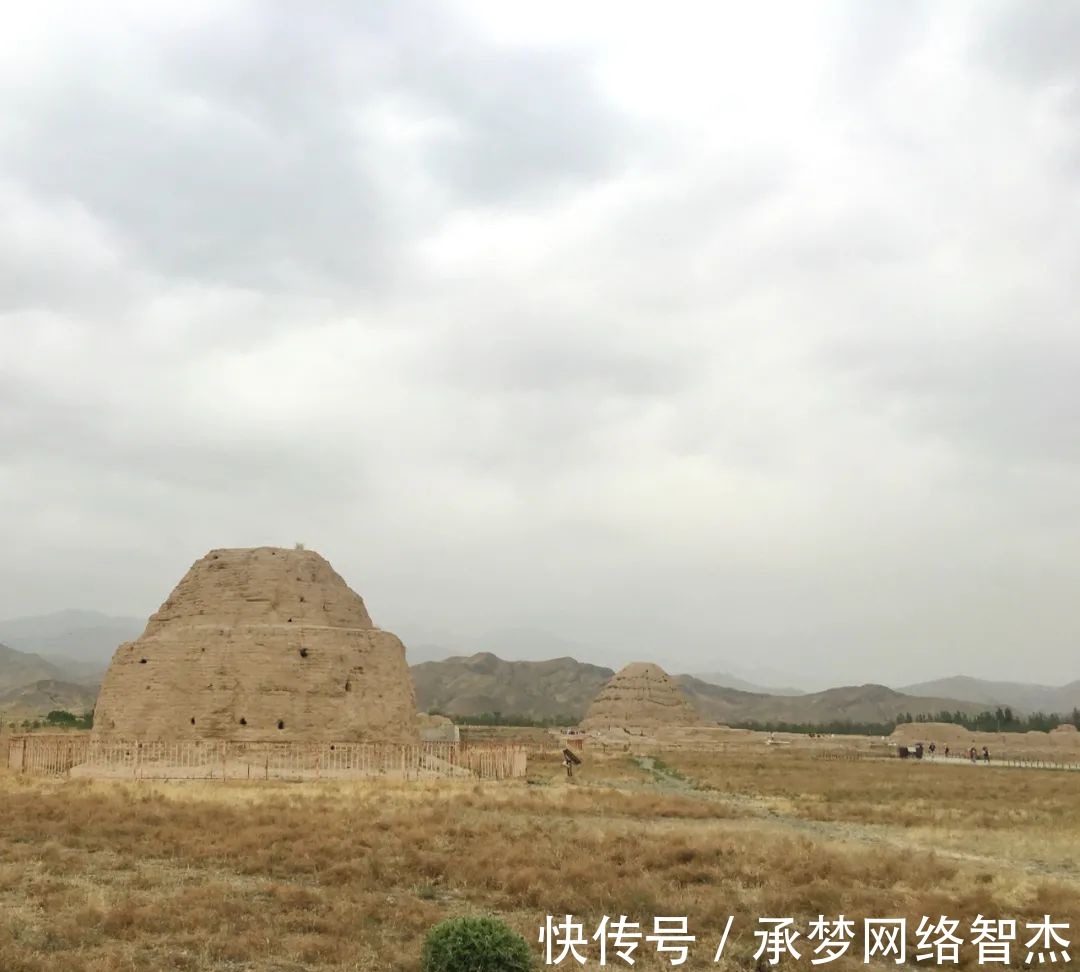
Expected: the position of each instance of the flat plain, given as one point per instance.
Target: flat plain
(100, 876)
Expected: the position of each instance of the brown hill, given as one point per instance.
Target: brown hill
(559, 689)
(641, 694)
(564, 688)
(38, 699)
(19, 668)
(853, 703)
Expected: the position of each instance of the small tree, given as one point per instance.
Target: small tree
(61, 717)
(474, 944)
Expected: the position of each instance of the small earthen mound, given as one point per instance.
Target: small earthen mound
(260, 644)
(426, 720)
(437, 728)
(641, 694)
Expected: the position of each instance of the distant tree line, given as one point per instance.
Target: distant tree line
(836, 727)
(498, 719)
(1001, 719)
(59, 719)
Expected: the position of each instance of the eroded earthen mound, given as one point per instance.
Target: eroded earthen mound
(641, 694)
(1063, 739)
(262, 643)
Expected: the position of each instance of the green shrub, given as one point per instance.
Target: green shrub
(61, 717)
(477, 944)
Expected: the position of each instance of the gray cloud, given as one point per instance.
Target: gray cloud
(871, 38)
(1011, 397)
(523, 126)
(1032, 43)
(255, 145)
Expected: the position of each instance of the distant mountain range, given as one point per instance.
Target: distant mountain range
(727, 680)
(84, 637)
(849, 703)
(60, 658)
(562, 688)
(75, 646)
(559, 688)
(1021, 696)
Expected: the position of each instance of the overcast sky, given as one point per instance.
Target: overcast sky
(732, 336)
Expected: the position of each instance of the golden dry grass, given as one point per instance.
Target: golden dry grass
(97, 877)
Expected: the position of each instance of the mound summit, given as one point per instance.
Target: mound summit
(259, 644)
(641, 694)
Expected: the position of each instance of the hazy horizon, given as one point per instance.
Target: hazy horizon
(537, 645)
(745, 337)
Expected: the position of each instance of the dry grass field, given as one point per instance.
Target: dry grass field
(107, 876)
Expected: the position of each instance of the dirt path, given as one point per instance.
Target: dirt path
(664, 778)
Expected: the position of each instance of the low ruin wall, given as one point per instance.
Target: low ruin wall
(533, 738)
(82, 756)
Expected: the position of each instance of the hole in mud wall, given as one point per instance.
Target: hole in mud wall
(303, 653)
(281, 723)
(193, 720)
(348, 686)
(243, 721)
(301, 598)
(142, 661)
(290, 620)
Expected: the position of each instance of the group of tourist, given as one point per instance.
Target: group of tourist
(973, 753)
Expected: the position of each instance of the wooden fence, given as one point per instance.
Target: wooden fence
(1017, 762)
(1035, 763)
(212, 759)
